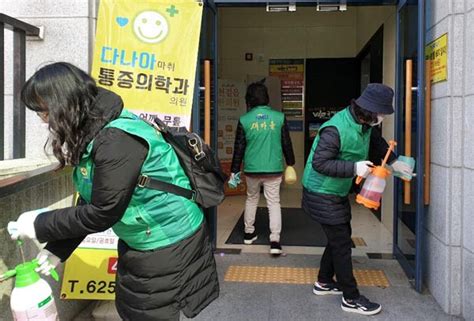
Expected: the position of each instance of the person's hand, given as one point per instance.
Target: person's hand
(363, 168)
(234, 180)
(403, 167)
(46, 262)
(24, 227)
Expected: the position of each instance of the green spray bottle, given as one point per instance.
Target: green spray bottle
(32, 297)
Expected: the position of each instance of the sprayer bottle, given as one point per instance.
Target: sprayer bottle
(32, 297)
(372, 190)
(374, 184)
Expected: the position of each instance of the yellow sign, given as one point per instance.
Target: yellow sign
(90, 274)
(146, 51)
(437, 52)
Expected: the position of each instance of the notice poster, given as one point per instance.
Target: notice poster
(291, 74)
(437, 53)
(146, 52)
(231, 102)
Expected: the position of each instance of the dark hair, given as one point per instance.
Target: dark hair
(257, 95)
(66, 94)
(363, 115)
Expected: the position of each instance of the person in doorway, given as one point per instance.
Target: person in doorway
(339, 153)
(262, 139)
(165, 259)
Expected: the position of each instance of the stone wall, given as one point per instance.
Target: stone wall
(49, 189)
(449, 255)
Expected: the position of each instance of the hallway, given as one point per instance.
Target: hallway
(365, 226)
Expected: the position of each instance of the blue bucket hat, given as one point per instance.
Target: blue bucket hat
(376, 98)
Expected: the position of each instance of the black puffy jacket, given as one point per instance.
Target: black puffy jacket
(151, 285)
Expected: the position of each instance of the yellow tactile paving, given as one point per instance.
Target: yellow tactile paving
(358, 241)
(292, 275)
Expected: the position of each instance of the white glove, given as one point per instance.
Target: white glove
(363, 168)
(46, 261)
(401, 168)
(24, 227)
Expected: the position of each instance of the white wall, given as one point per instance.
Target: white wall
(68, 32)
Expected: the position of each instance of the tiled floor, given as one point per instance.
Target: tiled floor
(364, 225)
(284, 300)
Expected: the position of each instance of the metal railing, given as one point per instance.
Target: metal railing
(20, 31)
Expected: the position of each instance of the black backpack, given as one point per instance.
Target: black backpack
(199, 162)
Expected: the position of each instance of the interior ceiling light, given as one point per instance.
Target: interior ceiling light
(281, 7)
(330, 7)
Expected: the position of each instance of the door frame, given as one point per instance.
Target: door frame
(414, 273)
(210, 53)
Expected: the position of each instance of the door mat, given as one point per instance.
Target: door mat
(298, 229)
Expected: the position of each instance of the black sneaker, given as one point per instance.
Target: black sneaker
(275, 248)
(362, 305)
(249, 238)
(326, 288)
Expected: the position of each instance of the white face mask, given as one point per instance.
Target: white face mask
(379, 120)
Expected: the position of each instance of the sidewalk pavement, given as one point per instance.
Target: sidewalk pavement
(283, 302)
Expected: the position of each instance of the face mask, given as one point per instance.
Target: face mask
(379, 120)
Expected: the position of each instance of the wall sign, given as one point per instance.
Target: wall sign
(437, 52)
(291, 74)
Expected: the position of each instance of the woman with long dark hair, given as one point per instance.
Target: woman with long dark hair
(165, 257)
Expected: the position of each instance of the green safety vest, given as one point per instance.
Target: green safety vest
(263, 151)
(153, 219)
(354, 147)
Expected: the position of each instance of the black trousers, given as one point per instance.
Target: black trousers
(337, 260)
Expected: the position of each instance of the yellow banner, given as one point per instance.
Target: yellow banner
(437, 52)
(90, 274)
(146, 51)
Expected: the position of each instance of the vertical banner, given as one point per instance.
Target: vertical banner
(90, 271)
(146, 52)
(291, 74)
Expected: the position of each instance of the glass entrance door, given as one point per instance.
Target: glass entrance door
(409, 207)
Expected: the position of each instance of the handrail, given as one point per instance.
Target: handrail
(12, 24)
(20, 31)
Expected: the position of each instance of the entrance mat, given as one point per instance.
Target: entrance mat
(298, 229)
(292, 275)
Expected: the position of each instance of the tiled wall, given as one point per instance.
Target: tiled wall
(449, 222)
(54, 191)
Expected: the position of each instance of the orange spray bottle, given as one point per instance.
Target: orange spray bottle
(374, 184)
